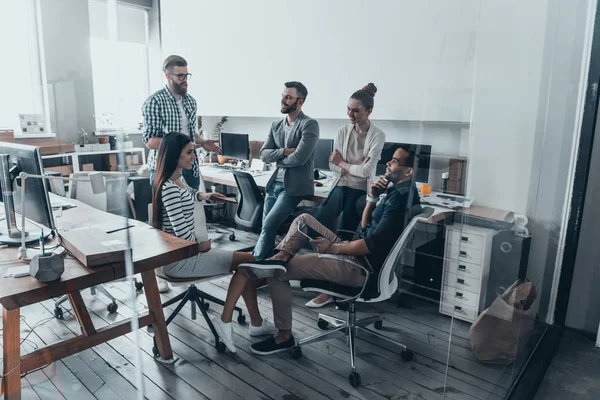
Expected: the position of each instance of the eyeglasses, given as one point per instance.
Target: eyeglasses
(288, 97)
(182, 77)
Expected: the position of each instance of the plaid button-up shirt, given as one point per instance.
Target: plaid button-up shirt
(162, 115)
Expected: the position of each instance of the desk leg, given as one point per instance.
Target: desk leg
(11, 384)
(155, 307)
(81, 312)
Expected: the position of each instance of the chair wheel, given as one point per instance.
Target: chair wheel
(322, 324)
(232, 237)
(241, 319)
(407, 355)
(354, 379)
(58, 312)
(205, 305)
(139, 285)
(112, 308)
(296, 353)
(221, 347)
(378, 324)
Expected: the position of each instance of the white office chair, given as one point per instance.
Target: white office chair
(193, 295)
(110, 201)
(380, 288)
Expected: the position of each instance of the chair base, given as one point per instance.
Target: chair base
(111, 308)
(198, 299)
(350, 329)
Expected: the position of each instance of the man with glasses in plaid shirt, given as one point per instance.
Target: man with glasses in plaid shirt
(172, 109)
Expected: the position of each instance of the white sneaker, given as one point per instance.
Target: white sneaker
(163, 286)
(267, 328)
(312, 304)
(225, 333)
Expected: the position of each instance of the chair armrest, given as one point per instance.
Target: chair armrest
(368, 272)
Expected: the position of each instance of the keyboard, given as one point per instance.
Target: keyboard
(226, 167)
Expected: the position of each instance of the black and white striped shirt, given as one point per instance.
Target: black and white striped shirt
(162, 115)
(178, 210)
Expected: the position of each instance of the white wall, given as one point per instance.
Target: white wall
(66, 39)
(20, 73)
(505, 75)
(508, 66)
(419, 53)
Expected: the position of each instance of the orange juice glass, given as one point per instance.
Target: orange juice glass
(425, 189)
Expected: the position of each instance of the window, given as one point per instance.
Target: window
(119, 67)
(21, 69)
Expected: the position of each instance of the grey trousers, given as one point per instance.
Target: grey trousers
(308, 266)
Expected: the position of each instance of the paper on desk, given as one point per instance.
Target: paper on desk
(17, 272)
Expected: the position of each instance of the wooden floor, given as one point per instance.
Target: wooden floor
(108, 371)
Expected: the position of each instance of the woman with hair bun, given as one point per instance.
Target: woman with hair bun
(357, 149)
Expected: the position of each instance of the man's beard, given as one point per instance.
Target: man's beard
(290, 108)
(180, 90)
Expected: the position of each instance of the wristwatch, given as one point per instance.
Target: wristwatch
(372, 199)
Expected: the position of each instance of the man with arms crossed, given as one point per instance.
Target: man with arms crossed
(291, 145)
(172, 109)
(381, 224)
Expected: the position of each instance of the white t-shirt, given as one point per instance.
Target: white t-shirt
(185, 124)
(286, 128)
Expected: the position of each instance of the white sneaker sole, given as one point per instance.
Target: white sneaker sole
(312, 304)
(263, 332)
(230, 345)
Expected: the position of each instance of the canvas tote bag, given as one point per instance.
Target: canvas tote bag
(501, 332)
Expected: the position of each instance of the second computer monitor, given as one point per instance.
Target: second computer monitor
(422, 159)
(322, 153)
(235, 145)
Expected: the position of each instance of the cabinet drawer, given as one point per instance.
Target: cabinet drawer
(459, 311)
(463, 269)
(463, 254)
(462, 282)
(465, 239)
(452, 295)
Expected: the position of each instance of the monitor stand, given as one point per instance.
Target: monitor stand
(31, 236)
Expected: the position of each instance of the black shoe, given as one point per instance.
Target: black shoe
(263, 269)
(269, 346)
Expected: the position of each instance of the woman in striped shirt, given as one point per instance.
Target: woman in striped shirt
(173, 208)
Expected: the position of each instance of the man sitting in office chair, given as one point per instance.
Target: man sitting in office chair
(291, 145)
(381, 224)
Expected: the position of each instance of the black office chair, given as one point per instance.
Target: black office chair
(142, 196)
(250, 204)
(377, 288)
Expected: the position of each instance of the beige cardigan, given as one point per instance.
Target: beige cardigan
(373, 145)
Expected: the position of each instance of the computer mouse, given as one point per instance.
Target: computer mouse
(318, 184)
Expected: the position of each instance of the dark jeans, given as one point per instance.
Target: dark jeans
(278, 205)
(342, 200)
(188, 175)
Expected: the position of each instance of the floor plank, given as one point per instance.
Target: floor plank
(107, 371)
(289, 369)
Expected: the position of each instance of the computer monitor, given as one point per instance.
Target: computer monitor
(422, 159)
(322, 153)
(235, 145)
(24, 158)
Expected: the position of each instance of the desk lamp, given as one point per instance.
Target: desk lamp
(95, 178)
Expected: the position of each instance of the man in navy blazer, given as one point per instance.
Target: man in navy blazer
(291, 145)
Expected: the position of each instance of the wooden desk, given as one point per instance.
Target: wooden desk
(151, 248)
(225, 177)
